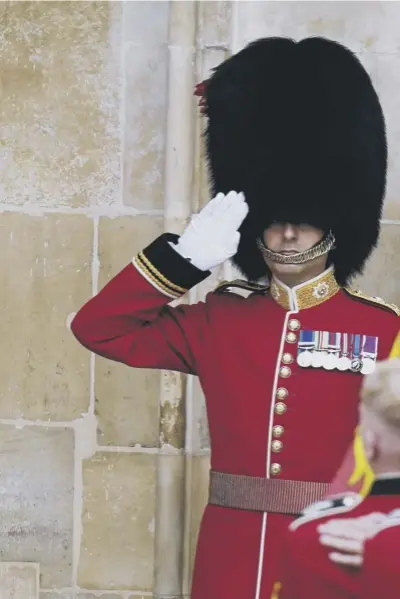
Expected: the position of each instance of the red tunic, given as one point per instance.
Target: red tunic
(308, 573)
(381, 571)
(267, 415)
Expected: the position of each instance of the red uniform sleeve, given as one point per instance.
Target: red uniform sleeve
(380, 577)
(308, 573)
(129, 320)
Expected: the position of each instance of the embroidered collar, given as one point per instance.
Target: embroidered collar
(306, 295)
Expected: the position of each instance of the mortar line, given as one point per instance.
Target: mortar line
(98, 593)
(21, 423)
(121, 449)
(137, 449)
(215, 46)
(112, 211)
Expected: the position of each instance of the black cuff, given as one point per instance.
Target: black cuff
(165, 267)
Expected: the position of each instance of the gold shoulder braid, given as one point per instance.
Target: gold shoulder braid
(376, 301)
(241, 284)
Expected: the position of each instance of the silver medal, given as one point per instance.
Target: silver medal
(330, 361)
(356, 365)
(368, 366)
(343, 364)
(369, 354)
(304, 359)
(318, 358)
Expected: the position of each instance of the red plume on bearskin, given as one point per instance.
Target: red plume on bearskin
(200, 91)
(298, 127)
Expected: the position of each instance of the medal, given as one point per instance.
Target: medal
(306, 343)
(304, 359)
(355, 365)
(343, 362)
(368, 366)
(356, 362)
(333, 344)
(319, 353)
(317, 359)
(330, 362)
(369, 354)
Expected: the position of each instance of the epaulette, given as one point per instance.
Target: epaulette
(376, 301)
(336, 504)
(226, 286)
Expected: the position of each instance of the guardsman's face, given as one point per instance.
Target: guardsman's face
(289, 239)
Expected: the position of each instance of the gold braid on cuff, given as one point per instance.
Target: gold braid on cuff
(323, 247)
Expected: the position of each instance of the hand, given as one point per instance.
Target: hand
(347, 536)
(212, 236)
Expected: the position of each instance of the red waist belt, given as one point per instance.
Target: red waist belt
(263, 494)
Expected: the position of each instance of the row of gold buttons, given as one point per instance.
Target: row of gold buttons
(282, 393)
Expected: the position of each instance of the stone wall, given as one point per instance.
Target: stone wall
(104, 469)
(83, 109)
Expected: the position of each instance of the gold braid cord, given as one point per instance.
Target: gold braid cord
(323, 247)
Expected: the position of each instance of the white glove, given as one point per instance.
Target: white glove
(212, 236)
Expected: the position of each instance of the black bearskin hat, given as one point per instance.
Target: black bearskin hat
(298, 127)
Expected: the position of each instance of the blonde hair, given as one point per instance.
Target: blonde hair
(380, 391)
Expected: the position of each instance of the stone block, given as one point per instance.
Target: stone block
(117, 550)
(37, 469)
(46, 274)
(382, 274)
(146, 22)
(385, 73)
(214, 23)
(127, 399)
(19, 580)
(197, 495)
(172, 410)
(122, 238)
(182, 25)
(59, 115)
(169, 524)
(200, 439)
(362, 26)
(126, 405)
(146, 69)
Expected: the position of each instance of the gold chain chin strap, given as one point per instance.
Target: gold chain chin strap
(323, 247)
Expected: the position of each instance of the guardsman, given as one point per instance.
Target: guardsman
(345, 547)
(297, 156)
(380, 578)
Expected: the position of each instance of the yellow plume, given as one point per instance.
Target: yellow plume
(275, 590)
(395, 351)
